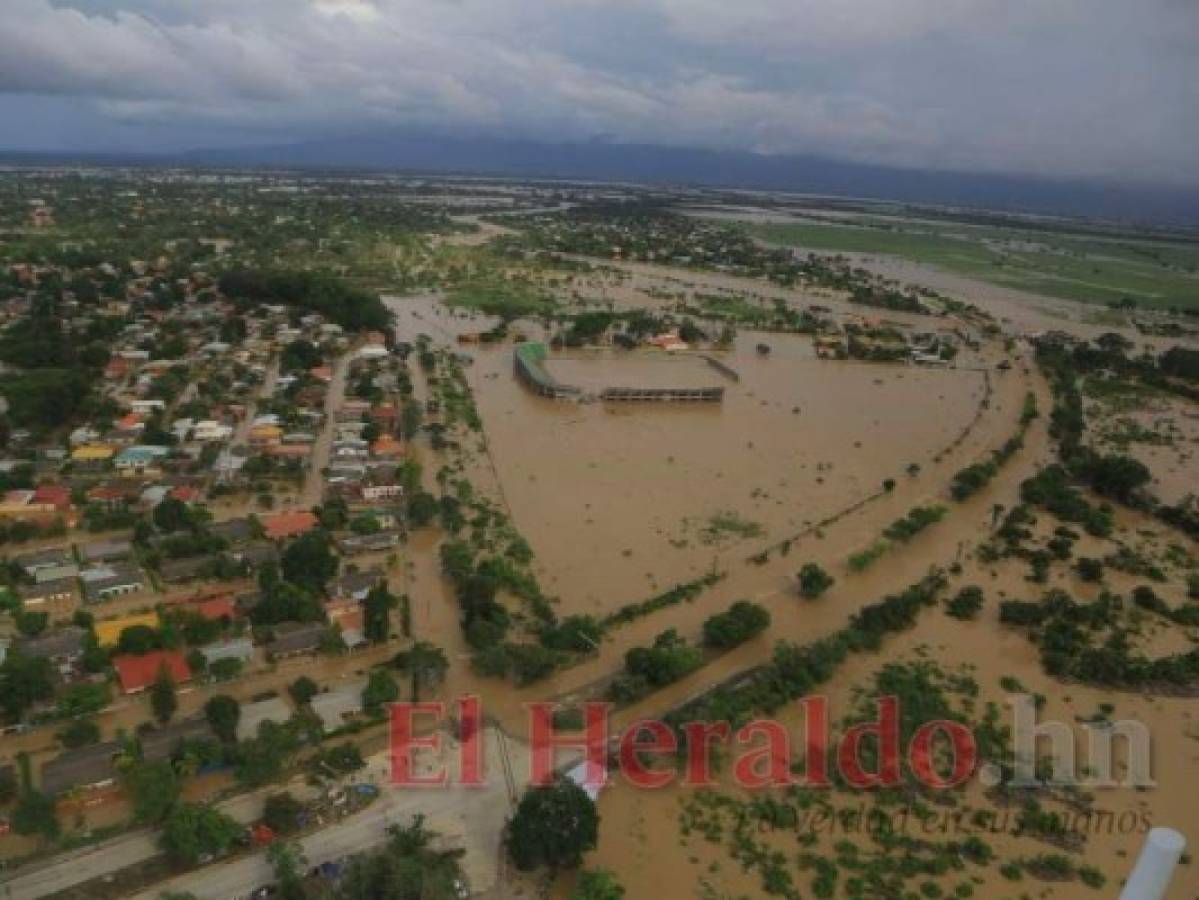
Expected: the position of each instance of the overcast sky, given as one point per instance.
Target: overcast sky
(1062, 87)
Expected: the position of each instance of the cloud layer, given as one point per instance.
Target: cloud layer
(1061, 87)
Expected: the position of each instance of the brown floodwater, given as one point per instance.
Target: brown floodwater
(619, 500)
(618, 503)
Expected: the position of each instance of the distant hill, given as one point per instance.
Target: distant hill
(684, 166)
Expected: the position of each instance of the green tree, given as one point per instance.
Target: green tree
(289, 864)
(281, 813)
(303, 689)
(35, 814)
(554, 825)
(31, 624)
(23, 682)
(1116, 476)
(425, 663)
(422, 507)
(192, 830)
(262, 758)
(172, 514)
(8, 787)
(410, 420)
(966, 603)
(139, 640)
(153, 789)
(223, 713)
(163, 698)
(83, 698)
(79, 733)
(736, 625)
(599, 884)
(300, 355)
(376, 613)
(813, 581)
(309, 561)
(380, 689)
(407, 868)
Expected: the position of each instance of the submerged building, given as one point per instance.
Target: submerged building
(529, 363)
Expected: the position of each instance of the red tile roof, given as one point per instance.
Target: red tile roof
(54, 494)
(138, 672)
(288, 524)
(217, 608)
(185, 492)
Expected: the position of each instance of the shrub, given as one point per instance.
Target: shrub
(864, 559)
(966, 603)
(813, 581)
(917, 519)
(735, 626)
(1089, 569)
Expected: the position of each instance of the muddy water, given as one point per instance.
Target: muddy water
(618, 500)
(658, 427)
(544, 459)
(640, 837)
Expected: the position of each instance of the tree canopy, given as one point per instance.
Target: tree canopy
(554, 825)
(193, 830)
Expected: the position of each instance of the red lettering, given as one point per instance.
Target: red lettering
(545, 741)
(921, 755)
(699, 760)
(661, 741)
(404, 742)
(886, 732)
(769, 764)
(816, 741)
(471, 744)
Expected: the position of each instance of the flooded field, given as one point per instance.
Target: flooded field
(621, 501)
(645, 835)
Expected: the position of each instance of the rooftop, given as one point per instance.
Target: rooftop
(138, 672)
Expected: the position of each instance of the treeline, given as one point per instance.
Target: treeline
(58, 368)
(1064, 630)
(1115, 476)
(797, 669)
(671, 657)
(319, 292)
(974, 478)
(685, 591)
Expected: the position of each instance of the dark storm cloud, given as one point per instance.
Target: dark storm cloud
(1067, 87)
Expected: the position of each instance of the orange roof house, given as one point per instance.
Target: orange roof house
(387, 447)
(130, 421)
(185, 492)
(56, 495)
(384, 413)
(136, 673)
(288, 524)
(322, 373)
(216, 608)
(117, 368)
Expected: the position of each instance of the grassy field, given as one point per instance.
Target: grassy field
(507, 299)
(1162, 274)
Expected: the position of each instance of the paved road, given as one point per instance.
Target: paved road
(313, 490)
(472, 817)
(70, 869)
